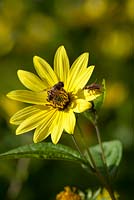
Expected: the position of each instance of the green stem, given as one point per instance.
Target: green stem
(94, 169)
(101, 147)
(81, 153)
(87, 149)
(105, 182)
(108, 185)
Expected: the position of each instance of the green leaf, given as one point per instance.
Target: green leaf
(44, 151)
(112, 149)
(113, 155)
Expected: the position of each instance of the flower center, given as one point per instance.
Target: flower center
(58, 97)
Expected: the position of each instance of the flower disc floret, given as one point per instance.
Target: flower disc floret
(58, 97)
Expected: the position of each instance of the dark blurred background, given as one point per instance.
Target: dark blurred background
(105, 29)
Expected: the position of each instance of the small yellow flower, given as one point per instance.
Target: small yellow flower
(105, 195)
(55, 96)
(68, 194)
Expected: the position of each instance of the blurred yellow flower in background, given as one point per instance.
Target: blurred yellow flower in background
(39, 28)
(105, 195)
(6, 38)
(129, 9)
(56, 95)
(94, 10)
(112, 100)
(117, 44)
(9, 106)
(68, 194)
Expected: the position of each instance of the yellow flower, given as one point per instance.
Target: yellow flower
(55, 96)
(68, 194)
(105, 195)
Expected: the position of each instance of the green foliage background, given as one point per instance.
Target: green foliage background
(104, 28)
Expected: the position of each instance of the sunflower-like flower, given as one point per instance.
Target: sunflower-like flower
(54, 95)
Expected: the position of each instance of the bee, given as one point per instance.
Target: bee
(57, 87)
(93, 86)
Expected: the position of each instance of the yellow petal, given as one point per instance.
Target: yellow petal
(88, 94)
(77, 68)
(45, 71)
(82, 79)
(69, 121)
(61, 64)
(31, 122)
(91, 95)
(31, 81)
(57, 127)
(81, 105)
(22, 114)
(26, 96)
(43, 131)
